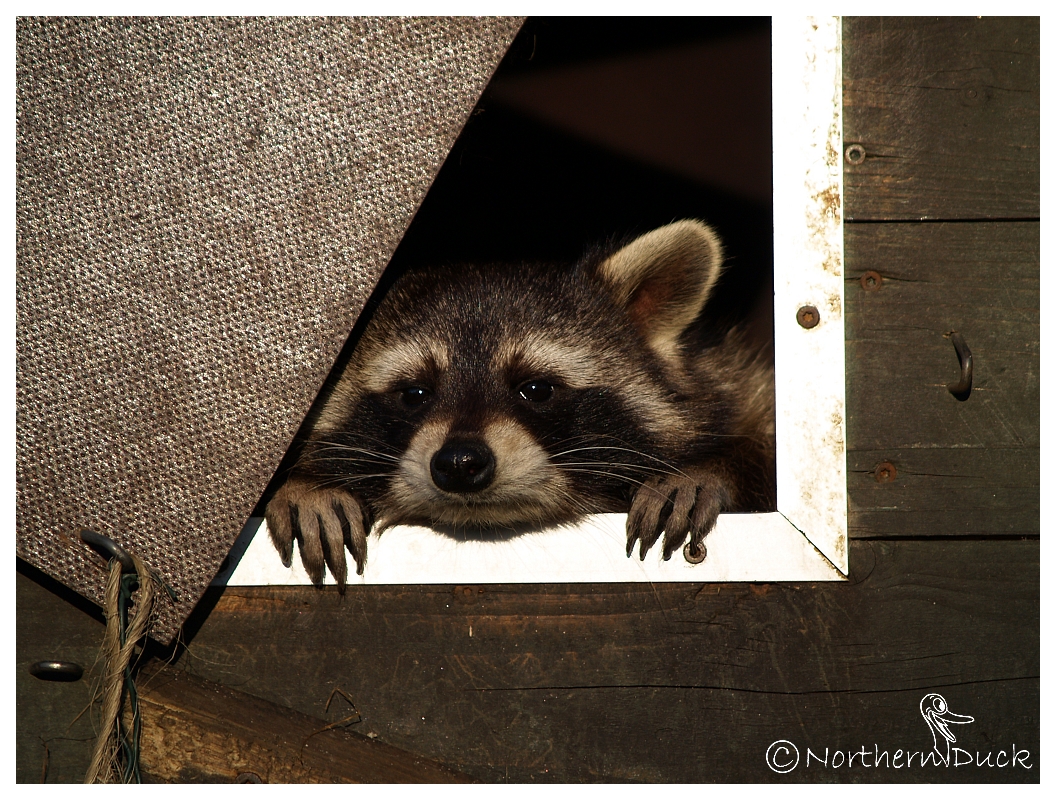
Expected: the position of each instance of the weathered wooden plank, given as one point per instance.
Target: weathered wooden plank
(52, 744)
(962, 467)
(978, 491)
(948, 113)
(196, 731)
(675, 682)
(193, 730)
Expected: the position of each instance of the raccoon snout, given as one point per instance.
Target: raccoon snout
(463, 466)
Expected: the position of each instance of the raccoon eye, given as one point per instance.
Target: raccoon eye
(536, 391)
(414, 397)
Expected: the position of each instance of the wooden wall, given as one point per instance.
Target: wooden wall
(694, 682)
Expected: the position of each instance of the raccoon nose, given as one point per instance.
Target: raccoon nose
(463, 467)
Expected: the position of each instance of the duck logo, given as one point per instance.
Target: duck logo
(937, 715)
(783, 756)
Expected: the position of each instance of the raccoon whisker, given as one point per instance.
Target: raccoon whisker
(626, 445)
(348, 463)
(628, 449)
(352, 441)
(350, 455)
(349, 472)
(573, 502)
(615, 471)
(671, 467)
(625, 465)
(729, 436)
(584, 506)
(326, 447)
(345, 480)
(613, 475)
(345, 441)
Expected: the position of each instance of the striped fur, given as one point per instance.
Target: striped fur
(490, 399)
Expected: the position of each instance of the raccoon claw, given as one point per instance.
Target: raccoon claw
(324, 522)
(678, 506)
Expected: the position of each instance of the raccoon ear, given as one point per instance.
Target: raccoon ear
(663, 278)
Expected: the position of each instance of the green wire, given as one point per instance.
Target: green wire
(129, 742)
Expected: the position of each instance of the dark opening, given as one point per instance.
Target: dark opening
(597, 130)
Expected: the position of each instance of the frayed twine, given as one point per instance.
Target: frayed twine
(116, 755)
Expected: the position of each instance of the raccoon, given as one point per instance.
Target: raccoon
(484, 398)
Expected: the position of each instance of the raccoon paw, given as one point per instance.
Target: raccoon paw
(324, 522)
(686, 504)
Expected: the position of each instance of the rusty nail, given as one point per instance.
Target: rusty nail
(885, 472)
(855, 154)
(694, 555)
(871, 281)
(64, 671)
(808, 317)
(248, 777)
(467, 594)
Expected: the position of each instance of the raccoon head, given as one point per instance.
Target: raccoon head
(505, 396)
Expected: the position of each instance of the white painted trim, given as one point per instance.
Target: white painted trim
(808, 270)
(742, 547)
(806, 540)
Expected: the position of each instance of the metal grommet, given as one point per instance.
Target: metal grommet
(808, 317)
(855, 154)
(61, 671)
(694, 555)
(872, 281)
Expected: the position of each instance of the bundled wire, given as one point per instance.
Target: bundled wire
(116, 755)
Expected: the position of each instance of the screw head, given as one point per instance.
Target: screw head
(694, 555)
(885, 472)
(871, 281)
(808, 317)
(973, 96)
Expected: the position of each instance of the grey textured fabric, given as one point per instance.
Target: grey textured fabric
(203, 207)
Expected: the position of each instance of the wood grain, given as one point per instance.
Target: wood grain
(948, 111)
(981, 491)
(53, 739)
(666, 682)
(201, 732)
(967, 467)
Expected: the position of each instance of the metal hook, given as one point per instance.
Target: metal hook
(962, 388)
(109, 549)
